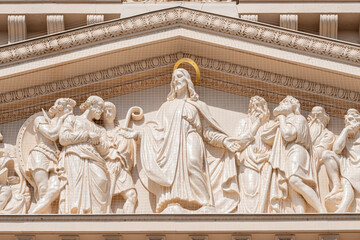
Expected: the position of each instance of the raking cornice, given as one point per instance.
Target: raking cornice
(177, 16)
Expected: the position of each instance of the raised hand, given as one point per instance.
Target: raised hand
(129, 133)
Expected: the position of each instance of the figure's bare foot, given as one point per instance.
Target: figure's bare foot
(336, 189)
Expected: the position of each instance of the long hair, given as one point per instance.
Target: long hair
(326, 118)
(91, 100)
(190, 86)
(60, 104)
(263, 107)
(294, 102)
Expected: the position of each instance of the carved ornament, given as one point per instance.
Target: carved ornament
(185, 17)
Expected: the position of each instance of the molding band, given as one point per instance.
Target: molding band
(181, 16)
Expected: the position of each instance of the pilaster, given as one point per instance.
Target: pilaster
(329, 25)
(289, 21)
(55, 23)
(16, 28)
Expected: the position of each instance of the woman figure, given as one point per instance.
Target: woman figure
(87, 179)
(173, 155)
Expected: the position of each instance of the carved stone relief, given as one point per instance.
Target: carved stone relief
(272, 163)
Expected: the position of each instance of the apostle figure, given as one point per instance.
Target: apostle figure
(254, 169)
(43, 158)
(14, 194)
(84, 143)
(322, 139)
(294, 181)
(343, 165)
(173, 154)
(120, 161)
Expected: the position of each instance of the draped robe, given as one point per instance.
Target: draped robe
(289, 159)
(86, 179)
(253, 164)
(166, 169)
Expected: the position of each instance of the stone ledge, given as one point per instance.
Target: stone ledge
(152, 223)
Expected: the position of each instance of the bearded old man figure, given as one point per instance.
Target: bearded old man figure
(294, 180)
(343, 164)
(87, 186)
(174, 158)
(322, 139)
(254, 169)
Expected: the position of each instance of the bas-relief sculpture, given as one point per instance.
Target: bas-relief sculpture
(77, 164)
(294, 180)
(120, 160)
(174, 156)
(342, 165)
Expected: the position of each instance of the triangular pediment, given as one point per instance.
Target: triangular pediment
(136, 53)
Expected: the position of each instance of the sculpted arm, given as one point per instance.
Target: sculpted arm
(50, 133)
(288, 131)
(103, 146)
(212, 136)
(340, 141)
(246, 133)
(68, 134)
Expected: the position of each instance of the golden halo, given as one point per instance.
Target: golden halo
(192, 63)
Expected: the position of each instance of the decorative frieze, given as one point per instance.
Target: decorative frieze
(16, 28)
(329, 25)
(347, 97)
(185, 17)
(94, 18)
(55, 23)
(289, 21)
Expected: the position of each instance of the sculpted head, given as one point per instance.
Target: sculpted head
(109, 113)
(62, 106)
(95, 105)
(352, 117)
(318, 115)
(258, 108)
(180, 82)
(287, 106)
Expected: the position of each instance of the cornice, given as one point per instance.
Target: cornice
(180, 223)
(180, 16)
(236, 79)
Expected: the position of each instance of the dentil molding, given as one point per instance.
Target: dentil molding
(186, 17)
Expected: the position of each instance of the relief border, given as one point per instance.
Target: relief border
(180, 15)
(341, 97)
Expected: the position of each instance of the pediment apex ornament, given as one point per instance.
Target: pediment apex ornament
(193, 64)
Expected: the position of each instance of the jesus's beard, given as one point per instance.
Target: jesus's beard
(316, 128)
